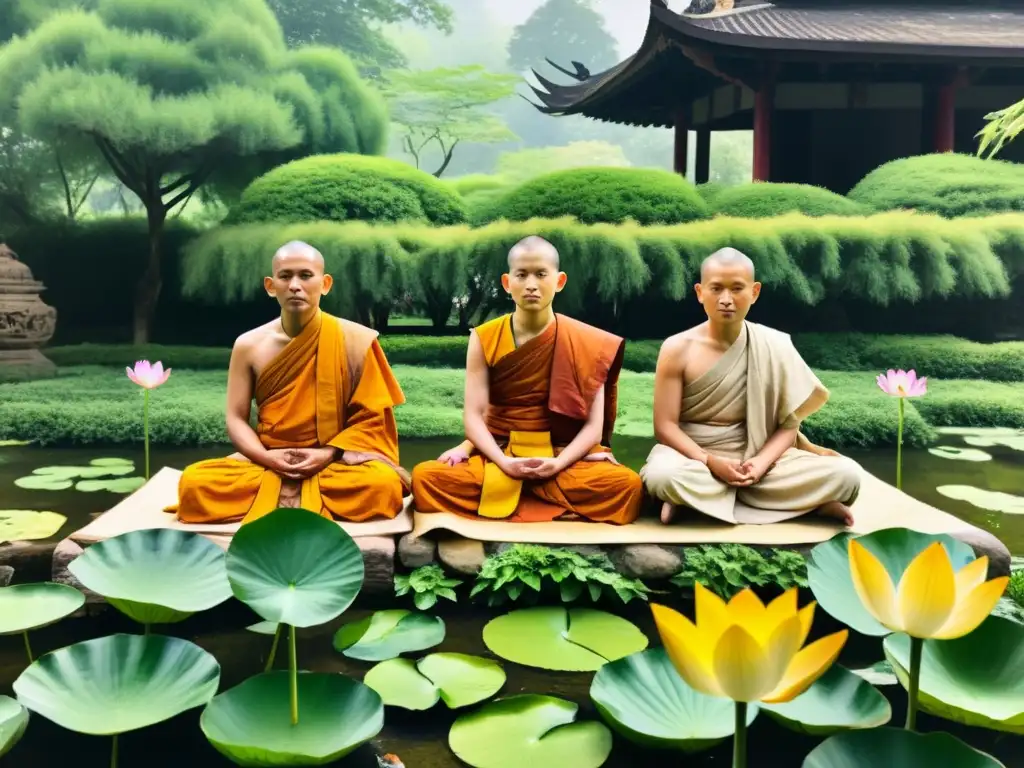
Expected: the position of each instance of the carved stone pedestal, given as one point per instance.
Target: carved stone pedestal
(26, 323)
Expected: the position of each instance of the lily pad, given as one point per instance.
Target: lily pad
(839, 700)
(29, 524)
(264, 627)
(251, 723)
(974, 679)
(118, 683)
(564, 639)
(112, 462)
(529, 730)
(960, 454)
(294, 567)
(897, 747)
(155, 576)
(13, 723)
(388, 634)
(1014, 441)
(62, 477)
(828, 570)
(25, 607)
(43, 483)
(879, 673)
(455, 678)
(114, 485)
(993, 501)
(644, 699)
(14, 443)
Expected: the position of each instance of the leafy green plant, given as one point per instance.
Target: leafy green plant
(1015, 589)
(521, 572)
(726, 569)
(427, 583)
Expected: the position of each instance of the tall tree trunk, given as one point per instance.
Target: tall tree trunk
(147, 293)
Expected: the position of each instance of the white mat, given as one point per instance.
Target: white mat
(879, 505)
(144, 509)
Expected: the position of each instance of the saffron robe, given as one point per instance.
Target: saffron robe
(760, 385)
(330, 385)
(540, 398)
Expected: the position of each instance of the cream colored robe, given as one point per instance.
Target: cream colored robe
(759, 385)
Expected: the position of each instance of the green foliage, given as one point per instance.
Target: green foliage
(762, 200)
(945, 184)
(1001, 127)
(437, 109)
(1015, 589)
(523, 572)
(427, 583)
(604, 195)
(345, 187)
(726, 569)
(566, 30)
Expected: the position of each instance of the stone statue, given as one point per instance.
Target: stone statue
(26, 323)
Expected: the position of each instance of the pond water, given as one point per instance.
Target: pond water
(923, 474)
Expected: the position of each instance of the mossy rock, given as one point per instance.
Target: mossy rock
(762, 200)
(348, 187)
(948, 184)
(604, 195)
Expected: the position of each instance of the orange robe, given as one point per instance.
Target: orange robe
(540, 397)
(330, 385)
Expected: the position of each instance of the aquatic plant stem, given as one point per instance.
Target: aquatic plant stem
(145, 425)
(899, 446)
(273, 649)
(739, 742)
(293, 665)
(113, 753)
(916, 651)
(28, 647)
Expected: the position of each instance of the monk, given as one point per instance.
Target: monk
(540, 406)
(326, 438)
(729, 398)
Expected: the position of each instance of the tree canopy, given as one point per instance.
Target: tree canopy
(564, 31)
(176, 93)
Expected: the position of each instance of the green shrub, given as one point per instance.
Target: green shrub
(945, 184)
(726, 569)
(604, 195)
(346, 187)
(762, 200)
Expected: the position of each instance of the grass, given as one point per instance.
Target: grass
(98, 405)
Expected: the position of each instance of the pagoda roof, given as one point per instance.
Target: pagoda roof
(692, 53)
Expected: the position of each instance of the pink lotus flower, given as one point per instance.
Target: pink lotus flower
(902, 383)
(148, 376)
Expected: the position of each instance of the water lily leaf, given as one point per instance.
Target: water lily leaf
(115, 485)
(980, 432)
(993, 501)
(43, 483)
(13, 723)
(456, 678)
(644, 699)
(14, 443)
(29, 524)
(1013, 439)
(828, 570)
(839, 700)
(529, 729)
(388, 634)
(155, 576)
(974, 679)
(564, 639)
(25, 607)
(897, 747)
(879, 673)
(264, 628)
(113, 462)
(959, 454)
(251, 723)
(118, 683)
(294, 567)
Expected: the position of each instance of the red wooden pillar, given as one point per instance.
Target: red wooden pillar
(764, 102)
(680, 146)
(945, 118)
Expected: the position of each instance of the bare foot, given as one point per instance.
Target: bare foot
(838, 511)
(668, 512)
(291, 493)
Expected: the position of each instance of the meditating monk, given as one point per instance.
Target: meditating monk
(540, 406)
(729, 398)
(326, 438)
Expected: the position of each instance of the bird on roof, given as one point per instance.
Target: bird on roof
(581, 73)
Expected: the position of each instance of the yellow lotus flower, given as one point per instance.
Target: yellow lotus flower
(744, 650)
(930, 602)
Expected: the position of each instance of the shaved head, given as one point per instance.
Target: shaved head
(534, 244)
(727, 258)
(297, 248)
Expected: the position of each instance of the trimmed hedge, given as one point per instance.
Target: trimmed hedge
(346, 187)
(603, 195)
(762, 200)
(945, 184)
